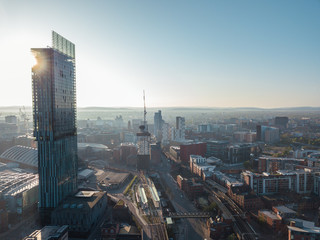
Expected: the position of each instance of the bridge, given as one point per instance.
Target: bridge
(190, 215)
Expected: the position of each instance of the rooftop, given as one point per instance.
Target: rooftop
(82, 200)
(92, 145)
(304, 226)
(284, 209)
(15, 181)
(270, 214)
(21, 154)
(48, 232)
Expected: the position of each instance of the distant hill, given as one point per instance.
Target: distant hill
(209, 109)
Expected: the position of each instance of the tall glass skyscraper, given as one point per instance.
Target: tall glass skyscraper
(54, 115)
(158, 125)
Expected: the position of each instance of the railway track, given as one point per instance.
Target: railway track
(240, 226)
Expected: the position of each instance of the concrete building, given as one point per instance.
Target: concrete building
(11, 119)
(158, 121)
(180, 131)
(175, 152)
(302, 230)
(218, 149)
(54, 115)
(268, 134)
(205, 128)
(248, 137)
(143, 141)
(18, 190)
(271, 219)
(119, 232)
(128, 154)
(274, 164)
(93, 151)
(239, 153)
(49, 233)
(299, 181)
(155, 154)
(81, 212)
(166, 133)
(281, 122)
(200, 167)
(284, 212)
(244, 198)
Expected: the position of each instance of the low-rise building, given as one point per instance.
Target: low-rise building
(271, 219)
(200, 167)
(18, 190)
(274, 164)
(225, 180)
(284, 212)
(302, 230)
(243, 197)
(175, 152)
(49, 233)
(182, 183)
(117, 231)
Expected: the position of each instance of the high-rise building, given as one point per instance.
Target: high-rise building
(158, 125)
(54, 114)
(281, 122)
(268, 134)
(180, 133)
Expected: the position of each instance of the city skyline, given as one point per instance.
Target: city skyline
(208, 54)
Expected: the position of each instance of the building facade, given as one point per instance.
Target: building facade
(54, 114)
(143, 141)
(158, 125)
(180, 131)
(192, 149)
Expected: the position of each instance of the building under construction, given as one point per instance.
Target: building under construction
(143, 140)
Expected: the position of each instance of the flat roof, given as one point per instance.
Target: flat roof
(114, 177)
(85, 173)
(92, 145)
(81, 200)
(86, 194)
(285, 209)
(169, 220)
(46, 232)
(270, 214)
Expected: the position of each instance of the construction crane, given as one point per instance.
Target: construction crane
(23, 115)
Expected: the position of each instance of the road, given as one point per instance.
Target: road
(189, 228)
(22, 229)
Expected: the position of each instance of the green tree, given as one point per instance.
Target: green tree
(232, 237)
(210, 208)
(247, 164)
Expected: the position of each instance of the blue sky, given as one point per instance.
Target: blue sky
(183, 53)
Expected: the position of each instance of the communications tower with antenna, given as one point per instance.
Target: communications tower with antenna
(143, 139)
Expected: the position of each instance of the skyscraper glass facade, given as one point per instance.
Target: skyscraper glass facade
(54, 113)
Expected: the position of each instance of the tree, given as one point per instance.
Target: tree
(247, 164)
(232, 237)
(211, 208)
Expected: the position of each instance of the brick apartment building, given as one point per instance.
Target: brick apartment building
(192, 149)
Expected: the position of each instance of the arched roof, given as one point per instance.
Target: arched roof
(22, 154)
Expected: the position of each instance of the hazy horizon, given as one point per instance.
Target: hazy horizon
(210, 54)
